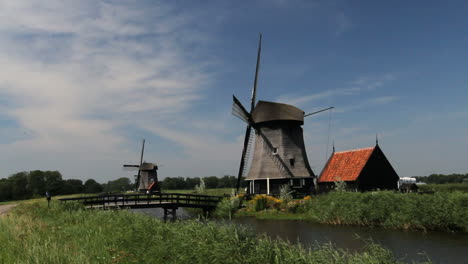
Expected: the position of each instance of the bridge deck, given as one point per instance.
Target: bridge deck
(159, 200)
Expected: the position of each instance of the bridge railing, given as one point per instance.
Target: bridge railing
(177, 199)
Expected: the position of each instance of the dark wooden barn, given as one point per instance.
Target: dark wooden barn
(361, 169)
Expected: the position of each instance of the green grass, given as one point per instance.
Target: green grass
(442, 211)
(448, 187)
(68, 234)
(43, 199)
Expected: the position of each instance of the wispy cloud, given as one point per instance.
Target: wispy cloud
(368, 103)
(356, 87)
(75, 73)
(343, 23)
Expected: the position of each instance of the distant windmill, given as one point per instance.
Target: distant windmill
(147, 177)
(279, 154)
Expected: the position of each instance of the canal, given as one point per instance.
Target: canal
(408, 246)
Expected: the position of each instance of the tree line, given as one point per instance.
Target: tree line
(442, 178)
(26, 185)
(211, 182)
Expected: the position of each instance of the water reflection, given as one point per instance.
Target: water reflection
(409, 246)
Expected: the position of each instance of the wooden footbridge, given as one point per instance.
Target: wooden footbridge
(170, 202)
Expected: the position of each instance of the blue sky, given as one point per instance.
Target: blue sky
(82, 82)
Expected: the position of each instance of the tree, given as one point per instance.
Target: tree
(18, 183)
(91, 186)
(211, 182)
(36, 183)
(71, 186)
(5, 190)
(174, 183)
(53, 182)
(192, 182)
(119, 185)
(227, 181)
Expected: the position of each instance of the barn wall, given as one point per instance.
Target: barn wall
(378, 173)
(260, 186)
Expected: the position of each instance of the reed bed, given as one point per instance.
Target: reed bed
(68, 234)
(441, 211)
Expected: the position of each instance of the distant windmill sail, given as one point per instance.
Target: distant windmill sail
(131, 166)
(137, 184)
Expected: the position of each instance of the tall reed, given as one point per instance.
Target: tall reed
(33, 234)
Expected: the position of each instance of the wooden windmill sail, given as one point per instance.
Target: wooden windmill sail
(279, 154)
(147, 177)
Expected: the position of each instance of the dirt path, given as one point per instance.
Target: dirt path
(5, 208)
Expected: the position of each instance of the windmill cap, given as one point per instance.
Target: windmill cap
(266, 111)
(145, 166)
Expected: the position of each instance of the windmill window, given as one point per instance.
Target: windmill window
(296, 183)
(275, 151)
(291, 162)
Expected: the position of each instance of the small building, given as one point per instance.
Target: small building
(361, 169)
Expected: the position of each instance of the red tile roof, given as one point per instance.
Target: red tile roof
(345, 165)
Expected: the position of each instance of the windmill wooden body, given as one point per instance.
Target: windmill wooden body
(279, 156)
(147, 178)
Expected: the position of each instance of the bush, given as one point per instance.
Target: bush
(228, 206)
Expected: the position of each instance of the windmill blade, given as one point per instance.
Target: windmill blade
(244, 157)
(277, 160)
(239, 110)
(131, 167)
(137, 184)
(316, 112)
(236, 110)
(244, 115)
(257, 67)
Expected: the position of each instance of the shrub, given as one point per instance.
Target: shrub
(262, 202)
(228, 206)
(441, 211)
(200, 188)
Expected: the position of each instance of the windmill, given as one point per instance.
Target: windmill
(279, 154)
(147, 178)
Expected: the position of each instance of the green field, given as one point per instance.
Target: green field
(447, 187)
(68, 234)
(43, 199)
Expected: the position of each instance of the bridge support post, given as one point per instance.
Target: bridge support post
(170, 212)
(206, 213)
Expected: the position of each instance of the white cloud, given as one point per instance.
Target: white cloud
(74, 73)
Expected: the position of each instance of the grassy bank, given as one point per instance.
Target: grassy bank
(443, 211)
(33, 234)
